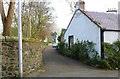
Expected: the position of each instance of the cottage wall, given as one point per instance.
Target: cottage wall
(111, 37)
(82, 28)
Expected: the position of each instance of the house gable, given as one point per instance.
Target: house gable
(83, 12)
(83, 28)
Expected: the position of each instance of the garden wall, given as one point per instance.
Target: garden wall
(32, 58)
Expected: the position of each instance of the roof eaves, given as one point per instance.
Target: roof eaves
(94, 21)
(111, 30)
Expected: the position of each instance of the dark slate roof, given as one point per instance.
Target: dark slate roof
(104, 20)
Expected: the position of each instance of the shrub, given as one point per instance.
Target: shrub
(108, 49)
(82, 51)
(62, 47)
(103, 63)
(112, 51)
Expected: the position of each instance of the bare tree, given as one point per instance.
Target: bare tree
(36, 18)
(72, 5)
(7, 19)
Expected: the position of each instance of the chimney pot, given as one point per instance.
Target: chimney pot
(82, 5)
(111, 10)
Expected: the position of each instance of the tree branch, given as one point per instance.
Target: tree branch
(2, 11)
(10, 10)
(71, 6)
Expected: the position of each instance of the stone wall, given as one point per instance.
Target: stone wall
(0, 60)
(32, 58)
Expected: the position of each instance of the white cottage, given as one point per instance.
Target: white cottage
(93, 26)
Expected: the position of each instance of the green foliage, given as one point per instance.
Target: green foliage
(108, 49)
(37, 20)
(14, 31)
(81, 51)
(45, 43)
(62, 47)
(112, 53)
(59, 38)
(117, 46)
(61, 35)
(103, 63)
(54, 34)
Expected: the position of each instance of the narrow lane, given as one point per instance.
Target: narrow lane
(57, 65)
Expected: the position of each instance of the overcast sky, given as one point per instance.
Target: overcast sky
(62, 9)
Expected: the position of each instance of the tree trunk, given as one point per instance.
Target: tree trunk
(7, 20)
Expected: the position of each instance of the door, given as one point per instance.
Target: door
(71, 41)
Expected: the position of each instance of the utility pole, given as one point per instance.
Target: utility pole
(20, 38)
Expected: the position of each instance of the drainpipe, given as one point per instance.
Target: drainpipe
(102, 41)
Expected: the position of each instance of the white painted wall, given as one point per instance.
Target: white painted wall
(111, 37)
(119, 36)
(83, 29)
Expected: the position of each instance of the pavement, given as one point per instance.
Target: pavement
(56, 65)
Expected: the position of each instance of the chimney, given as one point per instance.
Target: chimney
(82, 5)
(112, 10)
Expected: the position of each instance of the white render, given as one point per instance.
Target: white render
(82, 28)
(111, 37)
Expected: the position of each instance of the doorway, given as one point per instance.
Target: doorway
(71, 41)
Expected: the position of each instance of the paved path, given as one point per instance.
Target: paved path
(60, 66)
